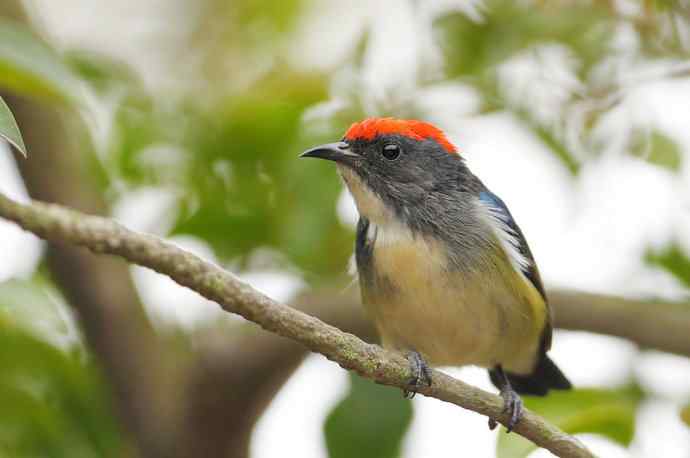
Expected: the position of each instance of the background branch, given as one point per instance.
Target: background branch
(99, 289)
(104, 236)
(650, 324)
(242, 371)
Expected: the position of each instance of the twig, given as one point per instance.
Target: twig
(102, 235)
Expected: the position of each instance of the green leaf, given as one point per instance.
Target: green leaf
(369, 423)
(36, 306)
(610, 413)
(673, 259)
(9, 129)
(53, 403)
(29, 66)
(658, 149)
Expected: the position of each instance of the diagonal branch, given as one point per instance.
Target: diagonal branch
(647, 323)
(102, 235)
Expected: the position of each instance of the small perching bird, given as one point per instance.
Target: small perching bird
(445, 271)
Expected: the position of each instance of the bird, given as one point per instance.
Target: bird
(445, 272)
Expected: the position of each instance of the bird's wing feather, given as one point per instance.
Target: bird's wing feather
(517, 249)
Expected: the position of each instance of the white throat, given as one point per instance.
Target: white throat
(368, 203)
(384, 227)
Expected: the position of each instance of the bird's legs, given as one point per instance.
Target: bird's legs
(512, 404)
(421, 374)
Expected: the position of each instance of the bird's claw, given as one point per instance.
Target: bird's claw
(421, 374)
(512, 405)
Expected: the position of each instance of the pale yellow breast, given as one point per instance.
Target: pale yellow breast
(408, 261)
(452, 318)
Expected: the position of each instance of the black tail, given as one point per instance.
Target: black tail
(546, 376)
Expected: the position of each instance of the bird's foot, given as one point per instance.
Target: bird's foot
(512, 405)
(421, 374)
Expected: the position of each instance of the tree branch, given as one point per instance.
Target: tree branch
(658, 325)
(101, 235)
(243, 371)
(235, 372)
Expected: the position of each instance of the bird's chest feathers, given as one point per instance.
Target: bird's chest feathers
(419, 301)
(404, 261)
(400, 263)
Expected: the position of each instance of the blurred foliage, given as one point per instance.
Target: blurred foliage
(674, 260)
(54, 402)
(553, 142)
(102, 73)
(227, 147)
(661, 27)
(236, 161)
(610, 413)
(235, 41)
(685, 414)
(658, 149)
(251, 143)
(370, 422)
(36, 306)
(8, 128)
(29, 66)
(474, 48)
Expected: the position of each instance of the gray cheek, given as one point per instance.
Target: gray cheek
(411, 193)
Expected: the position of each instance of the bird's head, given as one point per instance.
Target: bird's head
(391, 165)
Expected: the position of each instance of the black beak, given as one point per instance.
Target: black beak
(337, 152)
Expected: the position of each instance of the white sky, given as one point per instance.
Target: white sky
(586, 232)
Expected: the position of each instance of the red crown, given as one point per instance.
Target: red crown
(418, 130)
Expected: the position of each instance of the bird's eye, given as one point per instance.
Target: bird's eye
(391, 151)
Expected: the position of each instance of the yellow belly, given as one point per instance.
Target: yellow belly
(486, 317)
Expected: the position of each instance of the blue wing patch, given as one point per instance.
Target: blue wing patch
(500, 210)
